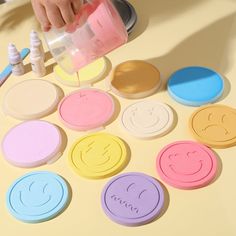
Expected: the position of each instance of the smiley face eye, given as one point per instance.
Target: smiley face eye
(139, 196)
(134, 111)
(190, 154)
(222, 119)
(210, 116)
(129, 187)
(173, 156)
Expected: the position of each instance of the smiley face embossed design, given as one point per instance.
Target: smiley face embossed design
(148, 119)
(37, 197)
(186, 165)
(98, 156)
(132, 199)
(214, 126)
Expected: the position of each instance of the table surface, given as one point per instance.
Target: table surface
(171, 35)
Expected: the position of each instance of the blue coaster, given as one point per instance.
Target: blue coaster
(37, 196)
(195, 86)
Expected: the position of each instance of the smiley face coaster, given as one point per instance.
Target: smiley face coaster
(195, 86)
(186, 165)
(132, 199)
(135, 79)
(148, 119)
(98, 156)
(32, 143)
(214, 125)
(37, 197)
(86, 109)
(86, 76)
(31, 99)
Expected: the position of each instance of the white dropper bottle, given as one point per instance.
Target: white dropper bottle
(36, 42)
(37, 62)
(15, 60)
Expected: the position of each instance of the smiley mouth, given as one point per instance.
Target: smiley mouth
(136, 123)
(34, 205)
(186, 172)
(104, 159)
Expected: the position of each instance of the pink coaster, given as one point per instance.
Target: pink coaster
(186, 165)
(32, 143)
(86, 109)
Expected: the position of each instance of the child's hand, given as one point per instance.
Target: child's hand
(56, 13)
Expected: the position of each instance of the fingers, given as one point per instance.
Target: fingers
(76, 4)
(67, 13)
(41, 15)
(54, 15)
(57, 13)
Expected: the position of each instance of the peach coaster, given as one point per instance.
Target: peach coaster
(31, 99)
(214, 125)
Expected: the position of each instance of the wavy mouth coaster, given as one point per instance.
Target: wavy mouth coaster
(31, 99)
(186, 165)
(147, 119)
(195, 86)
(32, 143)
(132, 199)
(214, 125)
(86, 109)
(134, 79)
(98, 156)
(37, 197)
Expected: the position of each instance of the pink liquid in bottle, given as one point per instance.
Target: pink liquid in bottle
(99, 30)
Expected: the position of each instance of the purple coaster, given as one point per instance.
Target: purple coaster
(132, 199)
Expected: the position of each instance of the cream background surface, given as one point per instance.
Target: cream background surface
(170, 34)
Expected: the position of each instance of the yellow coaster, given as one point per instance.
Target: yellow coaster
(135, 79)
(86, 76)
(214, 125)
(98, 156)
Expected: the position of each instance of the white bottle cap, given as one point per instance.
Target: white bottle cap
(13, 54)
(34, 39)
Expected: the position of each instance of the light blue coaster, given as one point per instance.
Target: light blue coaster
(195, 86)
(37, 196)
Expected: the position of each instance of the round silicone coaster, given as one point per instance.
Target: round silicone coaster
(127, 13)
(86, 109)
(32, 143)
(86, 76)
(135, 79)
(37, 197)
(214, 125)
(195, 86)
(148, 119)
(31, 99)
(98, 156)
(186, 165)
(132, 199)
